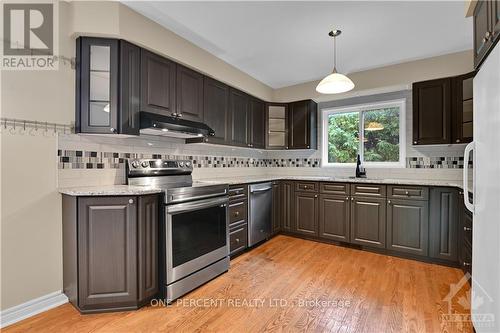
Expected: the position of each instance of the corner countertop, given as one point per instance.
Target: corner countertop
(258, 179)
(112, 190)
(108, 190)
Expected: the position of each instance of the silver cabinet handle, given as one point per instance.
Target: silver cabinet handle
(237, 240)
(179, 115)
(467, 229)
(466, 264)
(415, 142)
(407, 193)
(315, 195)
(113, 130)
(352, 199)
(389, 202)
(457, 140)
(347, 198)
(174, 114)
(130, 201)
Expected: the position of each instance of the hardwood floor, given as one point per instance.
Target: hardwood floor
(374, 293)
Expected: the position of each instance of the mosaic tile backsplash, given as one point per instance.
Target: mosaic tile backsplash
(80, 159)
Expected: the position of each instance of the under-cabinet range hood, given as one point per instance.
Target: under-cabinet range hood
(155, 124)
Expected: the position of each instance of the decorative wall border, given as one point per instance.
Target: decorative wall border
(82, 159)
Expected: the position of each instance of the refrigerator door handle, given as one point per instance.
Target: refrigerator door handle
(469, 205)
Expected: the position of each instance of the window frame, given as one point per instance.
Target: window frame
(361, 108)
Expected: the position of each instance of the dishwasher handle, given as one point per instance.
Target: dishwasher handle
(258, 190)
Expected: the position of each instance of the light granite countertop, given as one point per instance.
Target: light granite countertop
(258, 179)
(110, 190)
(106, 190)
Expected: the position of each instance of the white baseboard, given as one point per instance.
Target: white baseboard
(22, 311)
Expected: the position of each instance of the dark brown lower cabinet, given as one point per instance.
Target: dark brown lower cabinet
(286, 205)
(147, 228)
(368, 221)
(110, 251)
(408, 226)
(306, 213)
(277, 211)
(465, 239)
(334, 217)
(444, 218)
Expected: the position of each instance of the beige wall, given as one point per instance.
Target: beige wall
(31, 253)
(385, 79)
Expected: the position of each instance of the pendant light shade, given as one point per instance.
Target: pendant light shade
(335, 83)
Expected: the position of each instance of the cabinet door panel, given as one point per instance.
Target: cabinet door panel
(482, 25)
(239, 118)
(277, 210)
(306, 213)
(408, 226)
(302, 128)
(258, 125)
(286, 206)
(130, 89)
(157, 84)
(97, 85)
(368, 221)
(334, 217)
(107, 252)
(216, 109)
(189, 90)
(444, 222)
(148, 246)
(432, 112)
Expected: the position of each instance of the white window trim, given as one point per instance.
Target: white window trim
(401, 103)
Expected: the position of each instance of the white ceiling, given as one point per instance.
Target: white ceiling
(286, 43)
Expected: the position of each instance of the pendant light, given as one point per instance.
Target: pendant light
(335, 83)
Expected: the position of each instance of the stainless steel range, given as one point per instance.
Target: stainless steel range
(194, 231)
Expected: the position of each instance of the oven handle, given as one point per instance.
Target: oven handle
(196, 205)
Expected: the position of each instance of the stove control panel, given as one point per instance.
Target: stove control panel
(158, 166)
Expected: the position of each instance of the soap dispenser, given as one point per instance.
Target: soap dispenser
(360, 169)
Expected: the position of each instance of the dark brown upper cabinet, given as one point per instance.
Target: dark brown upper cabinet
(257, 123)
(462, 108)
(277, 126)
(486, 28)
(107, 86)
(432, 112)
(239, 118)
(157, 84)
(216, 110)
(97, 91)
(189, 94)
(302, 128)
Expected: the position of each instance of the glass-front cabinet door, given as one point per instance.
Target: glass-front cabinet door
(97, 85)
(277, 130)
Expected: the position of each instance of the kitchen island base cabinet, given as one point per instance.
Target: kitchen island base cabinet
(334, 217)
(408, 226)
(368, 221)
(110, 251)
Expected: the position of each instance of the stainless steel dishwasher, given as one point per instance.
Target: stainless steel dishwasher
(259, 212)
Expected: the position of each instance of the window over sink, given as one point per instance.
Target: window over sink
(374, 131)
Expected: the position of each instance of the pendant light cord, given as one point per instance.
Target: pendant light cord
(334, 54)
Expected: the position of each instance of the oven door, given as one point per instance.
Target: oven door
(197, 235)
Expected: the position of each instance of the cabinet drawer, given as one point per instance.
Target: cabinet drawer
(306, 186)
(237, 211)
(408, 192)
(238, 239)
(368, 190)
(238, 192)
(334, 188)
